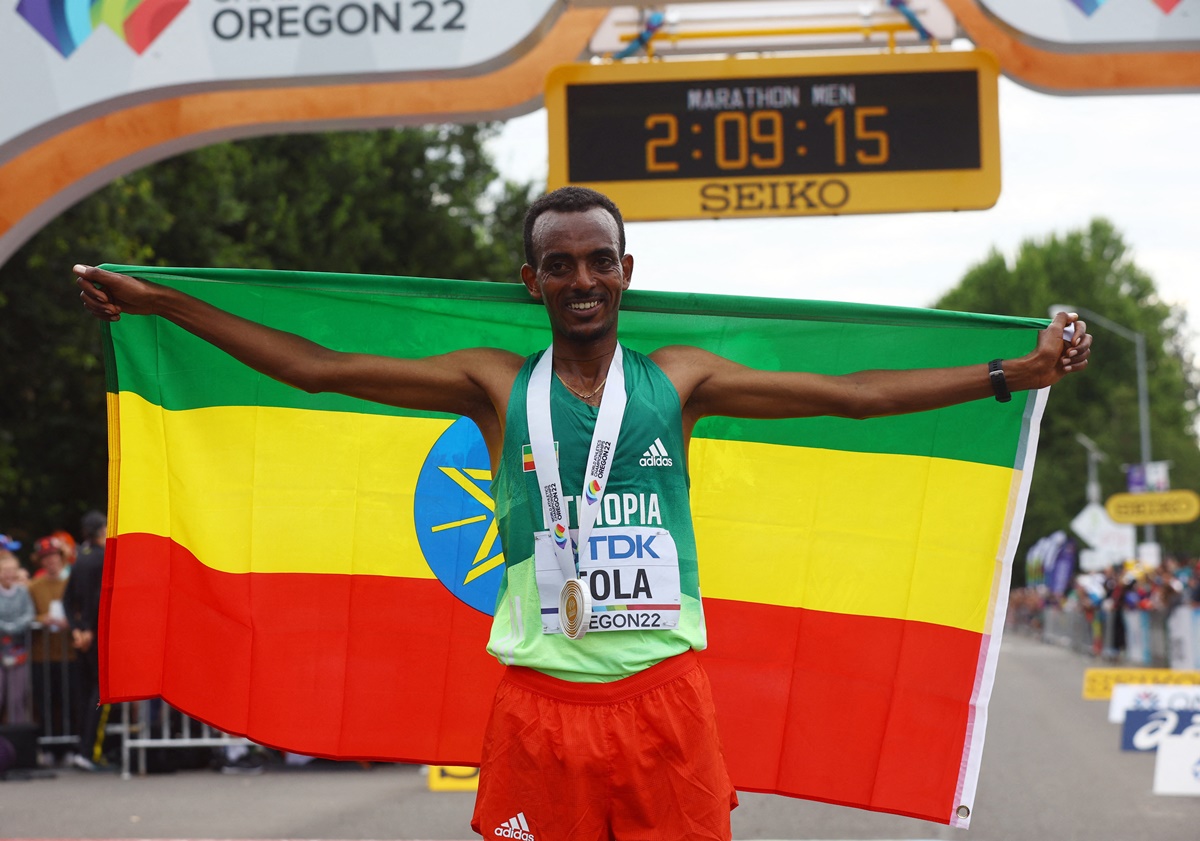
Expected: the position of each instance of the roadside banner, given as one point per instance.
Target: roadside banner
(1145, 730)
(1177, 766)
(1128, 697)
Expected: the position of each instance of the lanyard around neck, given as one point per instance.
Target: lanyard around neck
(599, 462)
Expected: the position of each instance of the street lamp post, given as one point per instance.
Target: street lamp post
(1139, 344)
(1095, 456)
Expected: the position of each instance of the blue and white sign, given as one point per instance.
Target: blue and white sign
(1145, 730)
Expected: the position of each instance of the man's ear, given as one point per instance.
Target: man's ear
(529, 278)
(627, 268)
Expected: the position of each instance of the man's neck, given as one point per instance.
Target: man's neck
(584, 363)
(583, 368)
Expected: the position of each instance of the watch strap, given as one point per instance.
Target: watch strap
(999, 384)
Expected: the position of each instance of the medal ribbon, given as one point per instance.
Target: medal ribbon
(599, 463)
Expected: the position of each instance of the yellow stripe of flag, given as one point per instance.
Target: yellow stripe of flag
(895, 536)
(907, 537)
(244, 482)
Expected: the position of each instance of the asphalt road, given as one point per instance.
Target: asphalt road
(1052, 769)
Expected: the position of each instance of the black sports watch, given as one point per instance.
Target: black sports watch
(999, 384)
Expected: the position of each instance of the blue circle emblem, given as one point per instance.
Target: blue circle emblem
(455, 516)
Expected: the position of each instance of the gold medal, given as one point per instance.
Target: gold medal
(574, 607)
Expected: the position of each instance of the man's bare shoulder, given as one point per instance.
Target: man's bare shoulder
(680, 359)
(490, 356)
(484, 364)
(687, 367)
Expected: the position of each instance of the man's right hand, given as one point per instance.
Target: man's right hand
(107, 294)
(474, 382)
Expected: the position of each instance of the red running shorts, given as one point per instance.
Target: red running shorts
(633, 760)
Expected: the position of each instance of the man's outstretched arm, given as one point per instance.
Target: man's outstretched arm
(466, 382)
(711, 385)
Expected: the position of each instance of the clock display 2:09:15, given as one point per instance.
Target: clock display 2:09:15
(878, 123)
(758, 141)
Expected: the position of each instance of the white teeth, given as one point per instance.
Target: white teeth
(585, 305)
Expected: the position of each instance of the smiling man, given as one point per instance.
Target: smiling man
(603, 725)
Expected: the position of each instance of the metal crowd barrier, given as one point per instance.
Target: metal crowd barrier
(147, 725)
(1067, 629)
(52, 661)
(1094, 632)
(53, 705)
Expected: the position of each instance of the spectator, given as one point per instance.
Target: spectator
(81, 600)
(7, 547)
(50, 650)
(16, 618)
(66, 545)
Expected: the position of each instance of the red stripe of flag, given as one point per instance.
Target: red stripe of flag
(337, 648)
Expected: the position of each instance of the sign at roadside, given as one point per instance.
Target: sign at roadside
(1098, 683)
(1154, 508)
(1111, 542)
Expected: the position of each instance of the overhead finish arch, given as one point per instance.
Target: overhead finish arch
(86, 142)
(94, 89)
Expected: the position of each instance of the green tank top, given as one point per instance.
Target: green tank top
(647, 486)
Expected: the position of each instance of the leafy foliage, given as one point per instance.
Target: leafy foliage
(419, 201)
(1092, 269)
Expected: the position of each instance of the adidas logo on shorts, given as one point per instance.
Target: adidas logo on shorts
(515, 827)
(656, 456)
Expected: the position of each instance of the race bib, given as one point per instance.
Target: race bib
(631, 572)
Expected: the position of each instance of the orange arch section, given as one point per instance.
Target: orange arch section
(43, 180)
(1145, 72)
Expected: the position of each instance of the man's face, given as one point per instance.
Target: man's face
(53, 564)
(580, 272)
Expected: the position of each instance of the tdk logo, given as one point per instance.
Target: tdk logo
(656, 456)
(621, 546)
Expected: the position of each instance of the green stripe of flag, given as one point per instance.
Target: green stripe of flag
(420, 317)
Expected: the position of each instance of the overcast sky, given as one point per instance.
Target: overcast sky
(1133, 159)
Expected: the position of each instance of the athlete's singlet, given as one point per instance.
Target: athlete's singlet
(643, 613)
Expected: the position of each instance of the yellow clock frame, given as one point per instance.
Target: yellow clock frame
(716, 153)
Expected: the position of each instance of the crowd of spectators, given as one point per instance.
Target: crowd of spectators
(1104, 597)
(1130, 585)
(49, 611)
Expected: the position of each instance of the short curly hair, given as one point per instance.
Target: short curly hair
(570, 200)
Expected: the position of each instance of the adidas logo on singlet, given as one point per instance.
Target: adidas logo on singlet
(656, 456)
(515, 827)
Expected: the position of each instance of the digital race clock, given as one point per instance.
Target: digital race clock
(774, 137)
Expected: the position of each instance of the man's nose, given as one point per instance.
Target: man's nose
(584, 279)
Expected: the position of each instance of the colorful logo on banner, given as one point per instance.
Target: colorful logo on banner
(66, 24)
(455, 516)
(1090, 7)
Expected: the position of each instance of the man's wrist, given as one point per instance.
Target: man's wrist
(1017, 375)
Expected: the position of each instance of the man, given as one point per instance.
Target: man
(16, 618)
(593, 735)
(81, 601)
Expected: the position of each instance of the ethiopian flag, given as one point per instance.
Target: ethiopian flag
(318, 572)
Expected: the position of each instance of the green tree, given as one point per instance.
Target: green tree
(1093, 269)
(419, 201)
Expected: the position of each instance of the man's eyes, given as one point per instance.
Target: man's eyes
(563, 267)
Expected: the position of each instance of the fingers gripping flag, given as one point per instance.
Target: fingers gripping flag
(318, 572)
